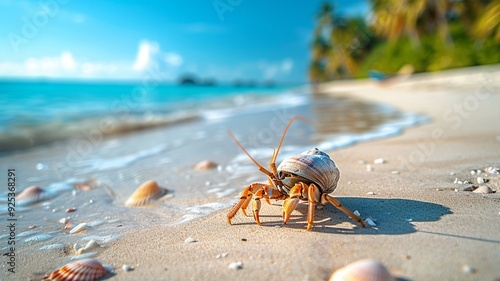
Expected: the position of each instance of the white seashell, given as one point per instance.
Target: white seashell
(369, 168)
(31, 195)
(145, 193)
(85, 269)
(190, 240)
(63, 220)
(484, 189)
(127, 268)
(480, 180)
(79, 228)
(362, 270)
(395, 172)
(379, 161)
(235, 265)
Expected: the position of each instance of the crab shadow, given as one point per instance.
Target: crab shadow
(392, 216)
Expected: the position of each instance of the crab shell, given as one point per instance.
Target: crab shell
(312, 166)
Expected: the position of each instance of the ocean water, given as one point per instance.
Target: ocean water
(35, 113)
(89, 146)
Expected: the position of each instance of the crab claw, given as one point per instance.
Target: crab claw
(288, 206)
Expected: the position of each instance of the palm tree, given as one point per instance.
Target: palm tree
(489, 22)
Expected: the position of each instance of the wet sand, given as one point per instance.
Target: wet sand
(425, 229)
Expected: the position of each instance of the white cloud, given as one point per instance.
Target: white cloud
(66, 65)
(273, 70)
(67, 61)
(287, 65)
(145, 55)
(173, 59)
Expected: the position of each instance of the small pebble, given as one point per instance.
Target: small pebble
(379, 161)
(190, 240)
(452, 173)
(370, 193)
(480, 180)
(467, 269)
(369, 168)
(408, 220)
(395, 172)
(55, 210)
(31, 226)
(127, 268)
(236, 265)
(472, 172)
(370, 221)
(244, 239)
(70, 210)
(223, 255)
(361, 162)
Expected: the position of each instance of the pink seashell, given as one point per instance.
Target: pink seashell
(31, 195)
(145, 193)
(362, 270)
(205, 165)
(82, 270)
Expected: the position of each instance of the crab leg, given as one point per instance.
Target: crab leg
(292, 202)
(312, 205)
(325, 198)
(257, 190)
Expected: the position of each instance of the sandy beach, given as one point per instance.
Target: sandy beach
(427, 227)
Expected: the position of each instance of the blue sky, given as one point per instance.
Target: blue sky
(220, 39)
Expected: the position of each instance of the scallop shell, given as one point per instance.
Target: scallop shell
(205, 165)
(313, 165)
(362, 270)
(83, 270)
(484, 189)
(31, 195)
(145, 193)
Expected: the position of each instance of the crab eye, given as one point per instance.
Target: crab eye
(280, 174)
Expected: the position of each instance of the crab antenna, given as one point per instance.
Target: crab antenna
(276, 151)
(261, 168)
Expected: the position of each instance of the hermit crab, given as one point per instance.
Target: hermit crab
(310, 176)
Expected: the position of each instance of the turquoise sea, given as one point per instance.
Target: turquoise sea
(35, 112)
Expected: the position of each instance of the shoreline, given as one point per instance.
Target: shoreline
(425, 230)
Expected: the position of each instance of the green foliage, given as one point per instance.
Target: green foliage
(435, 43)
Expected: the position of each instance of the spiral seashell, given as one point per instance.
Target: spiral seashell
(82, 270)
(362, 270)
(31, 195)
(145, 193)
(313, 165)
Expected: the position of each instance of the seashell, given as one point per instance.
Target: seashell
(310, 166)
(235, 265)
(484, 189)
(85, 270)
(145, 193)
(205, 165)
(31, 195)
(379, 161)
(79, 228)
(362, 270)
